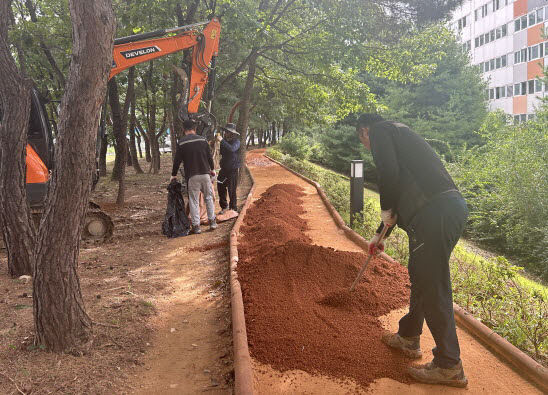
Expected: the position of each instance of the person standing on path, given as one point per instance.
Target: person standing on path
(230, 165)
(418, 194)
(194, 152)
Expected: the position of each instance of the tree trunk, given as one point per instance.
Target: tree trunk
(60, 319)
(132, 148)
(129, 159)
(119, 129)
(148, 156)
(243, 119)
(103, 156)
(18, 228)
(274, 131)
(138, 140)
(103, 141)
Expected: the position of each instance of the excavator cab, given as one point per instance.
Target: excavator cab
(40, 151)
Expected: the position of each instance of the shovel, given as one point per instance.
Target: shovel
(362, 270)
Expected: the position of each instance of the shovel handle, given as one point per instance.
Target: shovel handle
(359, 276)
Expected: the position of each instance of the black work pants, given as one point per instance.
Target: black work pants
(228, 181)
(433, 234)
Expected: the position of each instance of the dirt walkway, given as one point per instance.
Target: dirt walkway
(161, 307)
(486, 373)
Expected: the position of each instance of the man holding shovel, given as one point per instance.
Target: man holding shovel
(418, 194)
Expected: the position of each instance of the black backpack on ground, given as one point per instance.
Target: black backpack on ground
(176, 222)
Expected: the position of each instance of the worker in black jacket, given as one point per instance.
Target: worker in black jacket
(194, 152)
(418, 194)
(230, 165)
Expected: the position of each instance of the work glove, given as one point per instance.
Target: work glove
(376, 245)
(219, 137)
(389, 218)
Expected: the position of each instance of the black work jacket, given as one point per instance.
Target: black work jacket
(410, 173)
(230, 154)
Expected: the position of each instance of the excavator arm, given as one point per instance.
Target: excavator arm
(132, 50)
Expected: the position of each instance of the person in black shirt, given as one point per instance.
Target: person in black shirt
(418, 194)
(194, 152)
(230, 165)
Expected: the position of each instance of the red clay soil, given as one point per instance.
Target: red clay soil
(299, 311)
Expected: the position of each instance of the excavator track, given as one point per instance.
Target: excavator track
(98, 226)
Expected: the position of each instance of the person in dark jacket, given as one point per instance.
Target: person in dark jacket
(230, 165)
(418, 194)
(194, 152)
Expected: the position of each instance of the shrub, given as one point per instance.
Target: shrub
(296, 145)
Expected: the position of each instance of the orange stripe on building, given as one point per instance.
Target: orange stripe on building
(520, 8)
(535, 68)
(519, 105)
(534, 34)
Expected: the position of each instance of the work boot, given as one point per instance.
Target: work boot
(223, 210)
(410, 346)
(431, 374)
(212, 224)
(196, 229)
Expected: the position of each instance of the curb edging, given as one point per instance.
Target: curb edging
(243, 372)
(523, 362)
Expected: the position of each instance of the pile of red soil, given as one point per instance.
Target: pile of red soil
(299, 311)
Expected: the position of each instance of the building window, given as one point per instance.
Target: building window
(516, 119)
(524, 88)
(509, 91)
(492, 64)
(476, 14)
(504, 30)
(476, 42)
(482, 41)
(503, 61)
(523, 117)
(524, 55)
(534, 52)
(491, 93)
(538, 86)
(541, 49)
(540, 14)
(524, 22)
(531, 85)
(532, 18)
(530, 117)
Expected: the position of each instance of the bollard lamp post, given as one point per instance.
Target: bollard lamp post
(356, 189)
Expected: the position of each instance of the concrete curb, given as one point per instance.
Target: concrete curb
(523, 362)
(243, 373)
(517, 358)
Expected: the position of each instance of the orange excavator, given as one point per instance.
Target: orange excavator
(128, 51)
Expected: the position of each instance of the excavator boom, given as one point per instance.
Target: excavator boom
(128, 52)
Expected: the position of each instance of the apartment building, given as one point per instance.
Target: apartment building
(506, 40)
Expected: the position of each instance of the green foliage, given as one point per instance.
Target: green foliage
(447, 106)
(505, 183)
(492, 291)
(296, 145)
